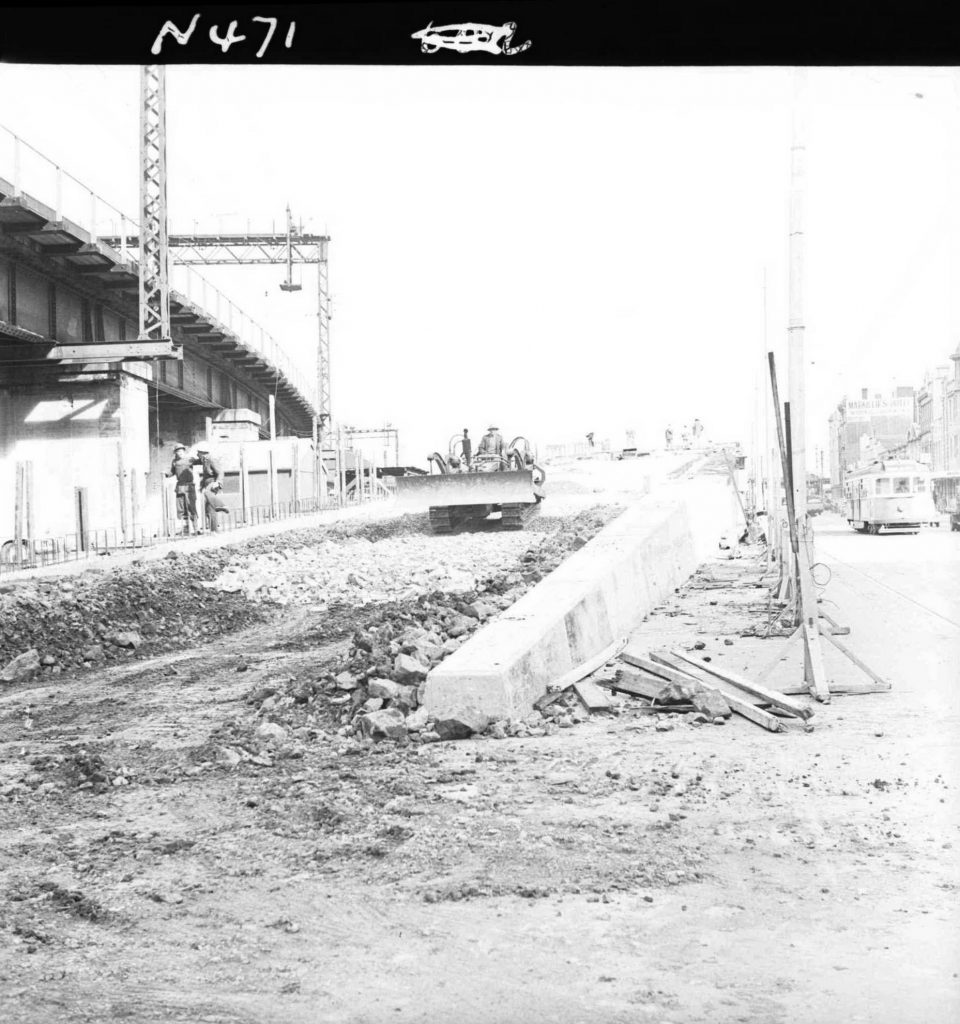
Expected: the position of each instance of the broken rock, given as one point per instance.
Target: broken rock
(385, 689)
(461, 725)
(129, 638)
(711, 703)
(408, 669)
(271, 732)
(383, 725)
(22, 667)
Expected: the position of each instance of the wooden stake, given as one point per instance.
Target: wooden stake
(122, 478)
(18, 498)
(28, 501)
(244, 484)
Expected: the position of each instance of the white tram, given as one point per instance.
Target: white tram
(890, 496)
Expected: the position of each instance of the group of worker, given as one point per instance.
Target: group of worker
(211, 482)
(490, 444)
(685, 434)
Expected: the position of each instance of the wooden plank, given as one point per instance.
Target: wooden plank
(844, 689)
(634, 684)
(843, 649)
(768, 696)
(581, 671)
(835, 628)
(741, 704)
(669, 673)
(594, 699)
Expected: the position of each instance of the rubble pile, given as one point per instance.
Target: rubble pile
(374, 691)
(52, 625)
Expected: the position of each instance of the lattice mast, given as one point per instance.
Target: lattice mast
(154, 271)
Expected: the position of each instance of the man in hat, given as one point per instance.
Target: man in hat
(211, 481)
(491, 443)
(182, 470)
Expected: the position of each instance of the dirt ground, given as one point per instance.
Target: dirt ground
(157, 866)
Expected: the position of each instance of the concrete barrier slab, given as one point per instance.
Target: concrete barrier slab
(598, 595)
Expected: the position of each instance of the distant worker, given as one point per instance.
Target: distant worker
(668, 433)
(685, 436)
(211, 481)
(697, 429)
(186, 490)
(467, 448)
(590, 439)
(491, 443)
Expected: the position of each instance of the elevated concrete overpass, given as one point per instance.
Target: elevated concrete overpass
(85, 441)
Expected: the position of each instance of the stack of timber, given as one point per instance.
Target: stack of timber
(676, 682)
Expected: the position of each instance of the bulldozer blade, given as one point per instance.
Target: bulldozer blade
(511, 487)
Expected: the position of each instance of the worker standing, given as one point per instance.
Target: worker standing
(668, 433)
(697, 430)
(182, 470)
(467, 448)
(211, 481)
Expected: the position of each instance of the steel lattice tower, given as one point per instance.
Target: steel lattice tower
(154, 277)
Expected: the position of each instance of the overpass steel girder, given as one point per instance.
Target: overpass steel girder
(257, 250)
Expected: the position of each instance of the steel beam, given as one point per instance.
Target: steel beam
(93, 352)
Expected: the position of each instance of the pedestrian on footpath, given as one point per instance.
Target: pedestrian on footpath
(186, 490)
(211, 482)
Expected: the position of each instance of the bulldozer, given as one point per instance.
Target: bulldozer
(459, 489)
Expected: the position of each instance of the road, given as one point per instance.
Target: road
(611, 872)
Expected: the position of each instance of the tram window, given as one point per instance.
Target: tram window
(883, 485)
(919, 484)
(901, 485)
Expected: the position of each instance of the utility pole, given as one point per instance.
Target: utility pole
(796, 327)
(813, 668)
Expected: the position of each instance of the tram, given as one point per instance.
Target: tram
(890, 496)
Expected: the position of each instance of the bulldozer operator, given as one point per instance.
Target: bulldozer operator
(491, 443)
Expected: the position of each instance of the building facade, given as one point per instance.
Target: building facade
(884, 420)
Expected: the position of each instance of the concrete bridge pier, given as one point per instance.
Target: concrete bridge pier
(74, 455)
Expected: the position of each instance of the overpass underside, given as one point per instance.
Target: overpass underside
(85, 442)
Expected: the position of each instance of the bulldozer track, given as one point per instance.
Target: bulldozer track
(517, 515)
(446, 518)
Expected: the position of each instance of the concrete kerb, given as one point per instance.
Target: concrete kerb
(598, 595)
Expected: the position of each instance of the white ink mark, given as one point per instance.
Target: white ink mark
(468, 37)
(289, 40)
(225, 42)
(273, 28)
(170, 29)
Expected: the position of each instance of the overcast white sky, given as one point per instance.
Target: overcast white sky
(557, 249)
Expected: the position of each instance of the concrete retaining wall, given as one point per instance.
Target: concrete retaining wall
(598, 595)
